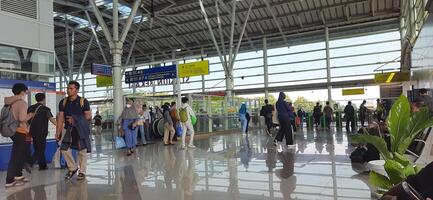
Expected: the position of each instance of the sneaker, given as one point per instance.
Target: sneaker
(182, 146)
(191, 146)
(81, 176)
(70, 174)
(22, 179)
(13, 184)
(128, 153)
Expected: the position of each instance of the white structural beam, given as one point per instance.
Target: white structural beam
(129, 21)
(224, 64)
(93, 28)
(116, 45)
(238, 22)
(271, 11)
(80, 71)
(102, 23)
(241, 36)
(328, 64)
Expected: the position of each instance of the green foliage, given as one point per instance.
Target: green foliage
(380, 180)
(404, 127)
(302, 102)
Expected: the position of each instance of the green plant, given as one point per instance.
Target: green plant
(404, 127)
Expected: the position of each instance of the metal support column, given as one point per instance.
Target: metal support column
(83, 90)
(116, 49)
(265, 67)
(328, 65)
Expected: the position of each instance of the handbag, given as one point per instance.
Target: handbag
(120, 142)
(179, 130)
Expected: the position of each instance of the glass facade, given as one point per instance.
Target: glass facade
(25, 64)
(351, 58)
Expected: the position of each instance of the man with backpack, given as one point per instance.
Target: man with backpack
(186, 114)
(39, 129)
(266, 112)
(13, 122)
(74, 114)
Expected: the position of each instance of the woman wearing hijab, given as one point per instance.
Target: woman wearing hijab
(128, 123)
(284, 113)
(243, 117)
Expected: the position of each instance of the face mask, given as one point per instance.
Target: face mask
(128, 105)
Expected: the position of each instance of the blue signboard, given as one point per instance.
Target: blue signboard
(8, 83)
(103, 70)
(151, 74)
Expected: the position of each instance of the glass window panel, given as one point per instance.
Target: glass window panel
(395, 45)
(297, 66)
(297, 48)
(356, 60)
(297, 57)
(248, 72)
(297, 76)
(364, 39)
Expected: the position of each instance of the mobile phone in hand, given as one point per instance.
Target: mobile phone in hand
(411, 192)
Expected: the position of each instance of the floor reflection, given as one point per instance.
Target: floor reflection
(231, 166)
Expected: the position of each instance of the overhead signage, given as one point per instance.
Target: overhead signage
(151, 74)
(104, 81)
(194, 69)
(353, 91)
(35, 85)
(392, 77)
(102, 70)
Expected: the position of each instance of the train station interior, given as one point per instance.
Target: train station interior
(216, 99)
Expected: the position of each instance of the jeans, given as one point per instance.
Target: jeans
(243, 123)
(17, 159)
(142, 131)
(39, 144)
(130, 135)
(269, 123)
(285, 130)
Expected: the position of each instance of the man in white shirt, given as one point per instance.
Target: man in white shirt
(186, 122)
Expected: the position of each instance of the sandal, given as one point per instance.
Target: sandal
(70, 174)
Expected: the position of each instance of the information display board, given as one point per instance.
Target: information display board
(194, 69)
(103, 70)
(151, 74)
(34, 88)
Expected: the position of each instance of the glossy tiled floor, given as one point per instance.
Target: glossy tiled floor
(230, 166)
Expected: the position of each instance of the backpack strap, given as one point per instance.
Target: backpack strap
(66, 99)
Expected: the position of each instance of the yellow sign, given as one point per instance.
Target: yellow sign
(194, 69)
(354, 91)
(392, 77)
(104, 81)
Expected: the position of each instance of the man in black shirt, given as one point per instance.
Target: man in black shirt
(349, 114)
(39, 129)
(266, 112)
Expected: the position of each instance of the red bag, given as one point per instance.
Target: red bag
(298, 121)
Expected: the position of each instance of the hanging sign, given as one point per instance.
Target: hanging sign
(354, 91)
(194, 69)
(104, 81)
(103, 70)
(151, 74)
(392, 77)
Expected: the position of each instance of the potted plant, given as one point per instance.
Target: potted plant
(404, 126)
